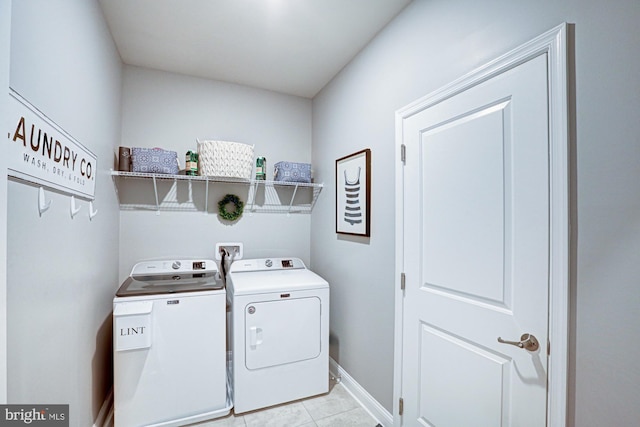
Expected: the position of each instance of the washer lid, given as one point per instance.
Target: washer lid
(168, 277)
(278, 275)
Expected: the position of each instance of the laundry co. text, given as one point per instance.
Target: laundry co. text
(50, 147)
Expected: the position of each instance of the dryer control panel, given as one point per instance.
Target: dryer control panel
(265, 264)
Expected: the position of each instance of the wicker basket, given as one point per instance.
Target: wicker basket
(225, 159)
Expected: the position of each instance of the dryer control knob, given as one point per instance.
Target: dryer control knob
(268, 263)
(175, 265)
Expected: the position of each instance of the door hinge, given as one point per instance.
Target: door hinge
(403, 153)
(401, 407)
(403, 280)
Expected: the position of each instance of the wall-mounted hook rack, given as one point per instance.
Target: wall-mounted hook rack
(74, 209)
(92, 212)
(43, 204)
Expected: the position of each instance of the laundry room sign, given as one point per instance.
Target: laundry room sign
(41, 152)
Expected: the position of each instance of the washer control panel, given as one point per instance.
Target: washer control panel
(287, 263)
(174, 266)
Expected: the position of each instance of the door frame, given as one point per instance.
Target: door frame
(553, 43)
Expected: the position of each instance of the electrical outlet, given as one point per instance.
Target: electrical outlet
(235, 250)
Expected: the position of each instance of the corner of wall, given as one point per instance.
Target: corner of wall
(5, 37)
(368, 402)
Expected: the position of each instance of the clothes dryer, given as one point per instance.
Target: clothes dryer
(279, 332)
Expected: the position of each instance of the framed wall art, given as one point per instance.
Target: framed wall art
(353, 194)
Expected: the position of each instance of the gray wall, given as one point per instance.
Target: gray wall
(170, 111)
(5, 37)
(430, 44)
(61, 271)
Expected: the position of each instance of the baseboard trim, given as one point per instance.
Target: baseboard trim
(105, 416)
(371, 405)
(367, 401)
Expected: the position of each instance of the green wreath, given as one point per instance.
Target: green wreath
(222, 207)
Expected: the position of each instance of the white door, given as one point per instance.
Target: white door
(476, 254)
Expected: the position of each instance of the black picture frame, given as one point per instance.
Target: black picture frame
(353, 194)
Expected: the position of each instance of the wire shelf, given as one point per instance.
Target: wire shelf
(185, 193)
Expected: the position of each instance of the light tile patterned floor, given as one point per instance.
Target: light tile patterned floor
(334, 409)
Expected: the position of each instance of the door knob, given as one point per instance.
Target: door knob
(527, 341)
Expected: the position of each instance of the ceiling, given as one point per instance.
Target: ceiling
(290, 46)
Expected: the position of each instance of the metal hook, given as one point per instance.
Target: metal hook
(74, 209)
(43, 205)
(92, 212)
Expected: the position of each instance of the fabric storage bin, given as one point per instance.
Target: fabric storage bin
(292, 172)
(225, 159)
(154, 160)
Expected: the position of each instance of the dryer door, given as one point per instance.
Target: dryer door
(281, 332)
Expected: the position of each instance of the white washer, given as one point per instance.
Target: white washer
(169, 345)
(279, 332)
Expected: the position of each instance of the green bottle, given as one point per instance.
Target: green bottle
(261, 168)
(191, 167)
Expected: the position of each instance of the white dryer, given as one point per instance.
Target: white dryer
(279, 332)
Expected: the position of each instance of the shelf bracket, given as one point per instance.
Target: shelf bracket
(293, 196)
(206, 197)
(316, 194)
(253, 193)
(155, 190)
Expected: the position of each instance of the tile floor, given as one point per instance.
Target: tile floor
(334, 409)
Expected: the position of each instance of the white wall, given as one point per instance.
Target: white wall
(170, 111)
(5, 37)
(431, 43)
(62, 272)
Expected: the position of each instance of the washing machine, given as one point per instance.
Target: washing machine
(169, 345)
(279, 332)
